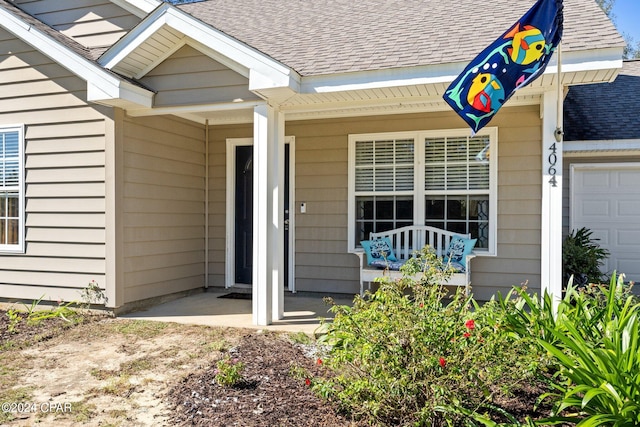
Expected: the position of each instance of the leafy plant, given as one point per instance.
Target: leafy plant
(229, 372)
(35, 315)
(410, 354)
(93, 294)
(582, 257)
(595, 338)
(14, 320)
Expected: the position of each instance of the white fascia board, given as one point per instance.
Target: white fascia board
(206, 108)
(134, 38)
(269, 72)
(140, 8)
(96, 77)
(377, 79)
(124, 94)
(608, 145)
(587, 60)
(580, 61)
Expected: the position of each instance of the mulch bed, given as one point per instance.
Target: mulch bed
(25, 333)
(269, 396)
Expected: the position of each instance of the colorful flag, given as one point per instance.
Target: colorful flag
(515, 59)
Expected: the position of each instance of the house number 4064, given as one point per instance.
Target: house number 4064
(553, 159)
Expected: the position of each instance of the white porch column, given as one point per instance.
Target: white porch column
(551, 256)
(268, 215)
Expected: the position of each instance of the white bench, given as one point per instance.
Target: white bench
(405, 241)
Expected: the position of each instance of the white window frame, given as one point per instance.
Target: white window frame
(20, 246)
(419, 178)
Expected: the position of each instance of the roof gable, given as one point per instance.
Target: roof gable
(168, 29)
(189, 77)
(94, 24)
(102, 85)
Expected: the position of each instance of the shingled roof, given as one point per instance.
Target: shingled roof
(317, 37)
(605, 111)
(51, 32)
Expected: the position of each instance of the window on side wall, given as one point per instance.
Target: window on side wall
(11, 189)
(445, 179)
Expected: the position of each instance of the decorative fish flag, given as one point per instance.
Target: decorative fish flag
(515, 59)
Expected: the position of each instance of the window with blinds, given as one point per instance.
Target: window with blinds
(10, 188)
(441, 178)
(384, 184)
(457, 185)
(386, 165)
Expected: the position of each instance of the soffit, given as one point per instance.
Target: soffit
(392, 99)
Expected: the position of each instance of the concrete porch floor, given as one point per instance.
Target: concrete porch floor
(302, 311)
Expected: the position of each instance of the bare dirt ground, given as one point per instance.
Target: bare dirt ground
(101, 371)
(116, 372)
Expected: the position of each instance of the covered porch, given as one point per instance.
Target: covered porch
(204, 76)
(302, 313)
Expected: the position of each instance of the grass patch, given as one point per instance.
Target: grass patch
(300, 338)
(7, 345)
(217, 345)
(117, 413)
(140, 328)
(83, 411)
(101, 374)
(14, 395)
(126, 369)
(135, 366)
(119, 386)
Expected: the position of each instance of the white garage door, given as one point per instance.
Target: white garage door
(605, 198)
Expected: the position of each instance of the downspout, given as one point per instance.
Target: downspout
(206, 204)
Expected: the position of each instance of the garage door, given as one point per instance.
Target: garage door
(605, 198)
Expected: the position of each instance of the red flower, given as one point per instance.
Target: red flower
(470, 324)
(442, 362)
(319, 361)
(466, 335)
(307, 381)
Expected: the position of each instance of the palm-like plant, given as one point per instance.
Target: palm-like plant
(582, 257)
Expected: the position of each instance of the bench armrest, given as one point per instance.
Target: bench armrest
(360, 254)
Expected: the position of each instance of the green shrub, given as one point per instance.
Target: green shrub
(409, 355)
(229, 372)
(594, 336)
(582, 257)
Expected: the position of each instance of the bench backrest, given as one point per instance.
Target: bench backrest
(406, 240)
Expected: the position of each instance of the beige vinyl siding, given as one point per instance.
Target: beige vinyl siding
(188, 77)
(322, 261)
(92, 23)
(519, 206)
(163, 207)
(64, 177)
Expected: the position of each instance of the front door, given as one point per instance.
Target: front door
(242, 215)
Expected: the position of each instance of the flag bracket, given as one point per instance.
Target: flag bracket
(558, 133)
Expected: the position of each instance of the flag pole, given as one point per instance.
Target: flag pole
(559, 110)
